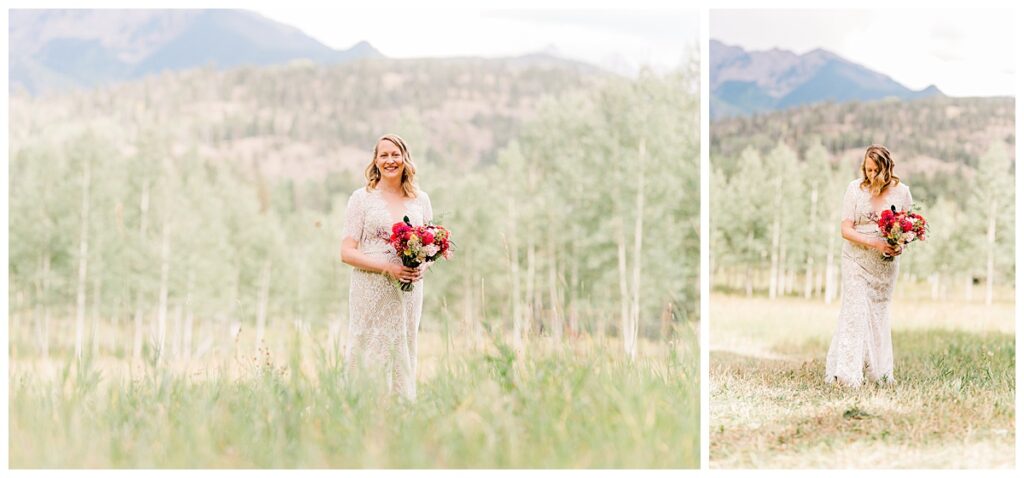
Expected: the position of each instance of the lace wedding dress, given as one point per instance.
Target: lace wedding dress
(863, 334)
(383, 320)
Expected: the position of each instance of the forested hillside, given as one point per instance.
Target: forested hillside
(778, 181)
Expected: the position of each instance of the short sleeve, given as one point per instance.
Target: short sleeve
(849, 209)
(354, 214)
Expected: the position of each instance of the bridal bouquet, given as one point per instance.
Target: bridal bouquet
(901, 227)
(417, 245)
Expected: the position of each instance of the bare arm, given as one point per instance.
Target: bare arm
(350, 253)
(871, 242)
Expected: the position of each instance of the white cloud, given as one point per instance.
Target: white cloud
(963, 52)
(616, 39)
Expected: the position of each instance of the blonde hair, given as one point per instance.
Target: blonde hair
(885, 178)
(408, 172)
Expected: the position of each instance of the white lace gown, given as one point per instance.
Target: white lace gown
(383, 320)
(863, 335)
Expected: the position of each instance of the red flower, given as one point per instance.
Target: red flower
(402, 233)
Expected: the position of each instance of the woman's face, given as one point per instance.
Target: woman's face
(389, 160)
(870, 168)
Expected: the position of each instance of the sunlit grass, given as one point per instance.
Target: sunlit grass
(952, 405)
(575, 404)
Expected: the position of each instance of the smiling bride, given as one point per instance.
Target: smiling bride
(384, 320)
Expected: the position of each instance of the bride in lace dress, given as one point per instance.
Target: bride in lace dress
(863, 336)
(383, 320)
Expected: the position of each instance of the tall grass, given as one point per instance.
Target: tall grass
(574, 404)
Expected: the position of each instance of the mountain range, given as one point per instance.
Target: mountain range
(749, 82)
(54, 50)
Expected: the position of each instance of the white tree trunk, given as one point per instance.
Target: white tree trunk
(83, 255)
(481, 320)
(830, 272)
(143, 213)
(468, 307)
(186, 339)
(517, 302)
(43, 331)
(179, 330)
(300, 288)
(749, 276)
(777, 261)
(15, 308)
(574, 278)
(531, 297)
(638, 239)
(773, 278)
(625, 326)
(809, 277)
(782, 284)
(556, 317)
(990, 272)
(94, 339)
(814, 226)
(165, 268)
(37, 304)
(264, 299)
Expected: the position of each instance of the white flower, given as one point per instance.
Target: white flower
(431, 250)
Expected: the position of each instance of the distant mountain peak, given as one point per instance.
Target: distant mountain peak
(55, 49)
(364, 47)
(551, 50)
(824, 54)
(746, 82)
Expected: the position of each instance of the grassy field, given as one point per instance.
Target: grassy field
(575, 404)
(952, 405)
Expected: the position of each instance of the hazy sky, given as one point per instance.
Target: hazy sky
(620, 40)
(963, 52)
